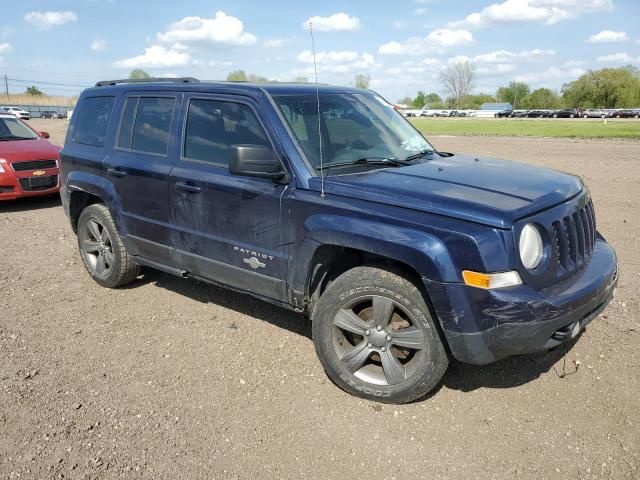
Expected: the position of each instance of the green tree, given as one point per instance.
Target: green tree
(542, 98)
(606, 88)
(474, 102)
(420, 100)
(257, 78)
(362, 81)
(33, 90)
(408, 101)
(237, 76)
(432, 98)
(138, 74)
(515, 93)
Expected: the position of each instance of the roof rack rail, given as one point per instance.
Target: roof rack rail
(106, 83)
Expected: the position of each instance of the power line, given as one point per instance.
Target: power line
(39, 82)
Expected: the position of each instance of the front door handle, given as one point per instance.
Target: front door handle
(115, 172)
(187, 187)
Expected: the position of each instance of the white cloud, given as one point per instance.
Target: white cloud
(420, 11)
(222, 29)
(338, 61)
(504, 56)
(399, 25)
(573, 64)
(608, 36)
(550, 75)
(46, 20)
(538, 11)
(98, 45)
(338, 22)
(443, 37)
(275, 42)
(157, 56)
(616, 58)
(4, 48)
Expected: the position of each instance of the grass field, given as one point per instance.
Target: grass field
(530, 128)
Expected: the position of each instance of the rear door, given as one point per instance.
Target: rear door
(144, 152)
(231, 229)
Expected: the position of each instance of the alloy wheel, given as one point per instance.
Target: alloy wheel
(97, 248)
(378, 340)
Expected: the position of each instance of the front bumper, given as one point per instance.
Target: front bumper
(482, 326)
(15, 185)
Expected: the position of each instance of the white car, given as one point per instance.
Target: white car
(18, 112)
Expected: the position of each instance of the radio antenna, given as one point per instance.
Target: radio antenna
(315, 69)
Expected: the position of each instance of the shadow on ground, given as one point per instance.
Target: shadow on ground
(30, 203)
(508, 373)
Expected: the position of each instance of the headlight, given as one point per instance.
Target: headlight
(530, 246)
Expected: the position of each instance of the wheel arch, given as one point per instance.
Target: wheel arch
(87, 189)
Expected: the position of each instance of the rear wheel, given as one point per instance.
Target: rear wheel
(376, 338)
(104, 255)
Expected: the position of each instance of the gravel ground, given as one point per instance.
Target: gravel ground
(172, 378)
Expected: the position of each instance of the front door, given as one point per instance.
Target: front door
(227, 228)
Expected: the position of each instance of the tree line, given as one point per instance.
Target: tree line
(605, 88)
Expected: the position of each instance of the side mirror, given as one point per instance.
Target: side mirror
(44, 134)
(255, 161)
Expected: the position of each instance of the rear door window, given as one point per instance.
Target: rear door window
(145, 125)
(93, 120)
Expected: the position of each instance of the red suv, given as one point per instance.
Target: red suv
(28, 162)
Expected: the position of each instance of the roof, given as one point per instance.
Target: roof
(236, 87)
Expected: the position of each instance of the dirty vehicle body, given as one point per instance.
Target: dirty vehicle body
(403, 257)
(28, 161)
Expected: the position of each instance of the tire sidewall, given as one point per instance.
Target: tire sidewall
(94, 212)
(429, 372)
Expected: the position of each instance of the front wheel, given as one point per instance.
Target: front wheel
(375, 337)
(104, 255)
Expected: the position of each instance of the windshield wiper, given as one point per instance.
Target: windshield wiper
(390, 162)
(420, 154)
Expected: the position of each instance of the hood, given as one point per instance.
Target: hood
(482, 190)
(25, 150)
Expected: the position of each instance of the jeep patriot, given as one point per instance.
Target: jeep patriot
(325, 200)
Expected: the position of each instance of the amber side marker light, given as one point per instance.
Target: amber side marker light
(491, 280)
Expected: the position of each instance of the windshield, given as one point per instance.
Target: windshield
(353, 126)
(14, 129)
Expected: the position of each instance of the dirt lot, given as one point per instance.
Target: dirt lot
(175, 379)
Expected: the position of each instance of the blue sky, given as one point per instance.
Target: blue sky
(402, 45)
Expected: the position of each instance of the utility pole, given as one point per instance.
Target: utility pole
(6, 87)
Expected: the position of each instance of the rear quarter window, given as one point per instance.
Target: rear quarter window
(93, 120)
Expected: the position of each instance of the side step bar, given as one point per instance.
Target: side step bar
(160, 266)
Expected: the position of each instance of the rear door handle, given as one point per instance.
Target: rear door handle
(187, 188)
(116, 172)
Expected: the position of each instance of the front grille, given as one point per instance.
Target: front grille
(574, 238)
(36, 184)
(33, 165)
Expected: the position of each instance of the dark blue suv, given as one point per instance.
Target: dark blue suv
(326, 201)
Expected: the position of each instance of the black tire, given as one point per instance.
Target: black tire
(98, 239)
(388, 371)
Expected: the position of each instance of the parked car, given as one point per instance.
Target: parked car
(16, 112)
(28, 162)
(402, 256)
(538, 114)
(594, 113)
(503, 114)
(627, 113)
(519, 113)
(567, 113)
(53, 114)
